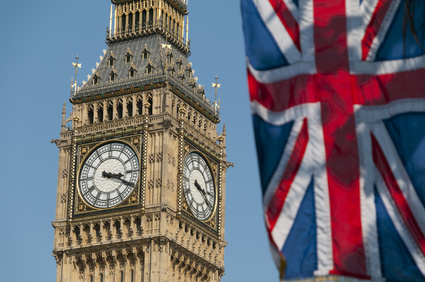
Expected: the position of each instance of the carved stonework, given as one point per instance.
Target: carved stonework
(57, 142)
(84, 150)
(170, 185)
(82, 207)
(58, 258)
(151, 158)
(133, 198)
(214, 167)
(184, 206)
(166, 124)
(212, 222)
(136, 141)
(171, 160)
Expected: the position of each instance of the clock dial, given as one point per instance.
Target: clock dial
(198, 186)
(108, 175)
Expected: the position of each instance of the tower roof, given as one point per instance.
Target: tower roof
(138, 62)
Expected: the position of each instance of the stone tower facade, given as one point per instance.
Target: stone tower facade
(142, 169)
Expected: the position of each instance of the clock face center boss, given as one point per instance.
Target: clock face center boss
(198, 186)
(108, 175)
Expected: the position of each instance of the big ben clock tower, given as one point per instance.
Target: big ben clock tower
(142, 169)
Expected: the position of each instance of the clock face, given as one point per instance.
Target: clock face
(198, 186)
(108, 175)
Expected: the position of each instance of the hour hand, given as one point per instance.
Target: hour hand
(198, 186)
(106, 174)
(117, 176)
(112, 175)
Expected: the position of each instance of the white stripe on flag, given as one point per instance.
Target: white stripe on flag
(278, 31)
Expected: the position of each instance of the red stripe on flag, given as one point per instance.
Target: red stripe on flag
(397, 195)
(276, 204)
(288, 20)
(330, 36)
(374, 26)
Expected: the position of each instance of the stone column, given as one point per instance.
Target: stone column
(182, 28)
(122, 228)
(133, 227)
(111, 262)
(134, 104)
(115, 110)
(147, 268)
(92, 233)
(113, 229)
(159, 10)
(126, 24)
(124, 107)
(105, 110)
(95, 117)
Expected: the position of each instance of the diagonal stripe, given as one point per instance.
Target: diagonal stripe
(374, 25)
(277, 202)
(280, 34)
(287, 20)
(397, 195)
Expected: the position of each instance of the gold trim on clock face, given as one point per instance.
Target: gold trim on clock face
(198, 186)
(108, 175)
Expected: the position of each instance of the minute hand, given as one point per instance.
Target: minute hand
(202, 193)
(126, 182)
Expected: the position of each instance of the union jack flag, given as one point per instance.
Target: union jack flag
(337, 90)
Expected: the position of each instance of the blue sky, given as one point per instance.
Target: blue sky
(39, 42)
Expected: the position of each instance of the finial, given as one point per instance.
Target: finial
(147, 106)
(63, 116)
(110, 22)
(76, 65)
(216, 85)
(187, 31)
(222, 138)
(182, 112)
